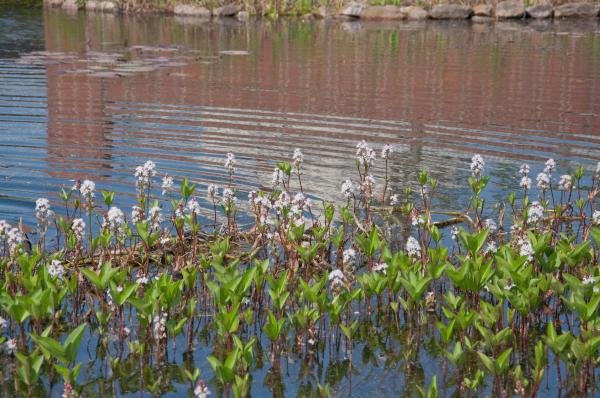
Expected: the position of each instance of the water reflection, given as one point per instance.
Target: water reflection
(182, 92)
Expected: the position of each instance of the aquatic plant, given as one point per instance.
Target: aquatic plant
(505, 294)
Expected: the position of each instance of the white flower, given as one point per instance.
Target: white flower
(349, 256)
(159, 328)
(509, 286)
(167, 184)
(155, 217)
(386, 151)
(201, 390)
(212, 191)
(114, 219)
(336, 278)
(369, 183)
(490, 225)
(588, 280)
(347, 188)
(56, 269)
(454, 232)
(550, 165)
(418, 220)
(298, 157)
(11, 346)
(381, 267)
(78, 228)
(364, 153)
(565, 183)
(490, 248)
(3, 323)
(413, 248)
(477, 166)
(524, 170)
(87, 190)
(142, 280)
(536, 213)
(4, 227)
(144, 174)
(230, 163)
(525, 248)
(394, 200)
(42, 211)
(14, 238)
(193, 206)
(277, 177)
(228, 196)
(137, 214)
(543, 181)
(596, 217)
(525, 182)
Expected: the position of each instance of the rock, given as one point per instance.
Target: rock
(243, 16)
(482, 19)
(510, 9)
(353, 10)
(71, 5)
(414, 12)
(382, 13)
(227, 10)
(540, 11)
(483, 10)
(108, 6)
(323, 12)
(53, 3)
(450, 11)
(192, 10)
(581, 10)
(92, 5)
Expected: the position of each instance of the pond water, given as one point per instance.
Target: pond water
(92, 96)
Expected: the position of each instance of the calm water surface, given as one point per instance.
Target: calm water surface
(92, 96)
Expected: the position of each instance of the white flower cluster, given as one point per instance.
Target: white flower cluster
(167, 184)
(230, 163)
(298, 158)
(386, 151)
(543, 181)
(347, 188)
(596, 217)
(565, 183)
(349, 256)
(535, 213)
(78, 228)
(477, 166)
(228, 198)
(336, 278)
(114, 220)
(42, 211)
(201, 390)
(159, 328)
(413, 248)
(365, 153)
(87, 190)
(524, 170)
(490, 225)
(14, 238)
(380, 267)
(144, 174)
(277, 177)
(550, 166)
(525, 248)
(56, 269)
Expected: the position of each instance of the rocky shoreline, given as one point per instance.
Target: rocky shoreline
(507, 9)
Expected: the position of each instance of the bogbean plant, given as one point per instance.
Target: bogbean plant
(506, 294)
